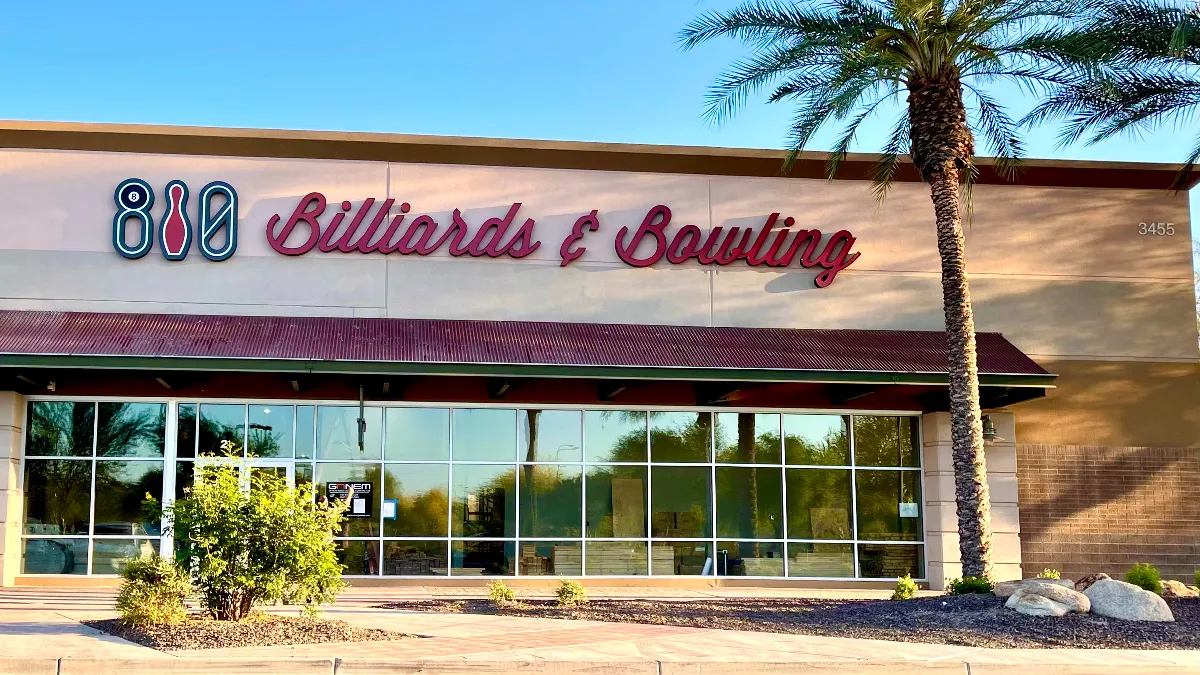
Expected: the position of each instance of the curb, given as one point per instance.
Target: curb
(299, 666)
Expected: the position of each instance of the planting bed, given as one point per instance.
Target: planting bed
(259, 630)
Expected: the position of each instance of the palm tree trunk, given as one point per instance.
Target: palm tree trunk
(966, 429)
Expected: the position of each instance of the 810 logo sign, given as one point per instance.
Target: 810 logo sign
(134, 199)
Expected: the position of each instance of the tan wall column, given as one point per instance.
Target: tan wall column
(942, 558)
(12, 424)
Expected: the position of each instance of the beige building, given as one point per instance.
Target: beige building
(536, 359)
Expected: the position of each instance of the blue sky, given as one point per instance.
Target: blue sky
(594, 70)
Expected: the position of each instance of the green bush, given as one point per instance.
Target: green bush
(1146, 576)
(152, 592)
(571, 593)
(971, 585)
(251, 546)
(500, 593)
(906, 588)
(1049, 574)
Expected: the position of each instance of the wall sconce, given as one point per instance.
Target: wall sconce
(989, 429)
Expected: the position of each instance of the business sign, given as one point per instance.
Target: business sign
(357, 495)
(373, 228)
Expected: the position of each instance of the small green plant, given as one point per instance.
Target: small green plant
(571, 593)
(152, 592)
(1146, 576)
(500, 593)
(971, 585)
(1049, 574)
(1197, 576)
(906, 588)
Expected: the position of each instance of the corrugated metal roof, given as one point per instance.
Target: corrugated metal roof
(492, 342)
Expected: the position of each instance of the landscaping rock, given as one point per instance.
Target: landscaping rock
(1119, 600)
(1177, 589)
(1086, 582)
(1064, 600)
(1005, 589)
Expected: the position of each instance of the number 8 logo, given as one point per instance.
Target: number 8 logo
(134, 199)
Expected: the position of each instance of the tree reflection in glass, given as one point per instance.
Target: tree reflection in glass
(816, 439)
(131, 430)
(60, 429)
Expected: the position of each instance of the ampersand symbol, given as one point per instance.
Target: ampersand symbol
(566, 252)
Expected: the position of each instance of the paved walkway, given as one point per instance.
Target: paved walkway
(44, 623)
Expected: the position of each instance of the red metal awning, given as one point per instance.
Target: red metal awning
(78, 336)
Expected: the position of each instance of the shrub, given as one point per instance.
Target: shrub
(906, 588)
(971, 585)
(247, 547)
(1146, 576)
(500, 593)
(152, 592)
(571, 593)
(1049, 574)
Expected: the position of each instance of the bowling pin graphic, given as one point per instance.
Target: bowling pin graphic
(175, 230)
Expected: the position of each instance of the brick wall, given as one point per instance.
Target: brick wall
(1100, 509)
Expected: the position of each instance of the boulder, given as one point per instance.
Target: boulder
(1063, 598)
(1086, 582)
(1034, 605)
(1177, 589)
(1119, 600)
(1005, 589)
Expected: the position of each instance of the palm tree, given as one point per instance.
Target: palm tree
(1140, 58)
(845, 61)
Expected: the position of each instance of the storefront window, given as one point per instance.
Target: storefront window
(270, 431)
(615, 436)
(485, 503)
(748, 438)
(422, 496)
(438, 491)
(416, 434)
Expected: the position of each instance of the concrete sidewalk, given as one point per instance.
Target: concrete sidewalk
(41, 633)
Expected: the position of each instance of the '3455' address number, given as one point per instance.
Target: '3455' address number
(1157, 229)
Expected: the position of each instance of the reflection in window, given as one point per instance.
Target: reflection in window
(131, 430)
(270, 432)
(58, 495)
(818, 504)
(414, 558)
(337, 433)
(747, 438)
(680, 437)
(820, 560)
(683, 558)
(616, 501)
(680, 501)
(185, 431)
(484, 501)
(485, 435)
(121, 487)
(550, 435)
(615, 435)
(551, 558)
(551, 500)
(60, 429)
(345, 472)
(616, 558)
(221, 422)
(418, 434)
(816, 439)
(110, 555)
(54, 556)
(887, 561)
(886, 441)
(889, 505)
(749, 502)
(422, 494)
(361, 558)
(749, 559)
(306, 430)
(475, 558)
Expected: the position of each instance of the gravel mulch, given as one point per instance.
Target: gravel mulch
(258, 630)
(968, 620)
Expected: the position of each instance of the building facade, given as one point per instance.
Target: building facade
(536, 359)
